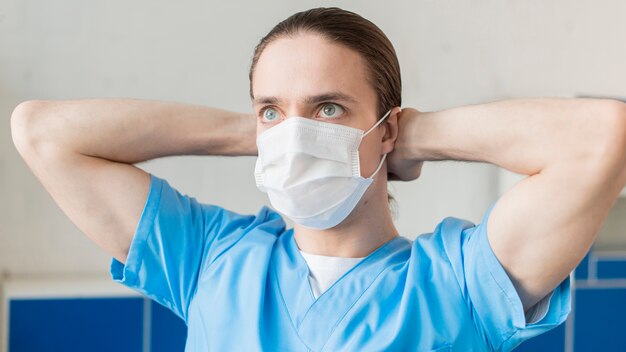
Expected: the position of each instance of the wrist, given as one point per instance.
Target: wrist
(416, 136)
(431, 137)
(245, 136)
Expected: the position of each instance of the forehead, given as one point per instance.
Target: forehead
(308, 64)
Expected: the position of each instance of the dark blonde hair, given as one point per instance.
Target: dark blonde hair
(355, 32)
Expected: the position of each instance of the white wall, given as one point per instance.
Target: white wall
(452, 53)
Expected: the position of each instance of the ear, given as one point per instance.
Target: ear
(391, 130)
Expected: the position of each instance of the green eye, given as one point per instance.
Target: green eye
(270, 114)
(331, 110)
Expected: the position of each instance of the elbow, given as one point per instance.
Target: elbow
(620, 142)
(26, 130)
(621, 117)
(611, 150)
(617, 130)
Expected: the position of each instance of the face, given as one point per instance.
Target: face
(307, 75)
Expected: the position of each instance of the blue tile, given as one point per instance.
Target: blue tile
(551, 341)
(73, 325)
(611, 269)
(168, 331)
(599, 319)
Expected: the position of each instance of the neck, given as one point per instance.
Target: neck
(368, 227)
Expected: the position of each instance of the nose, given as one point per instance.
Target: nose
(300, 111)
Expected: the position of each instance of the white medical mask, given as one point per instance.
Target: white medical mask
(311, 171)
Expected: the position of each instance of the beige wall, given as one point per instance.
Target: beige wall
(452, 53)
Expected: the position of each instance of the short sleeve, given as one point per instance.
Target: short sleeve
(496, 306)
(175, 238)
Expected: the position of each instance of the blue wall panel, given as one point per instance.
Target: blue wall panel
(611, 269)
(75, 325)
(168, 331)
(600, 320)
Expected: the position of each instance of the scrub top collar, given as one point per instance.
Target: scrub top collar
(315, 320)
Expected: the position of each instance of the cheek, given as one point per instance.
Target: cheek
(369, 154)
(260, 128)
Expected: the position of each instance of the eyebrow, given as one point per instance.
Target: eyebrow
(313, 99)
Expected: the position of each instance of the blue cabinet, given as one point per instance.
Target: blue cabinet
(121, 324)
(106, 324)
(168, 332)
(600, 319)
(611, 269)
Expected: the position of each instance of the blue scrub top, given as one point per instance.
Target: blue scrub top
(240, 284)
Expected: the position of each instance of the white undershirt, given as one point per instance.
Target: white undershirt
(539, 310)
(325, 270)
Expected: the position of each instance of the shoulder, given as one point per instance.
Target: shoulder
(218, 228)
(447, 238)
(215, 217)
(237, 229)
(445, 248)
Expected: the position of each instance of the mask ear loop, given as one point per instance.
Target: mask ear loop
(384, 155)
(379, 165)
(377, 123)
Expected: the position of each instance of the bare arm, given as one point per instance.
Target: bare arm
(574, 153)
(82, 152)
